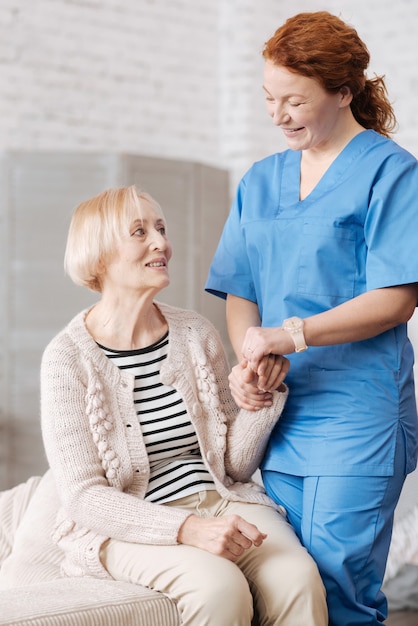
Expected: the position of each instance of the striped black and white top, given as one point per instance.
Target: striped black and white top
(176, 465)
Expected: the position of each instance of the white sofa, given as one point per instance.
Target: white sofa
(32, 592)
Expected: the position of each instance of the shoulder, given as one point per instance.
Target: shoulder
(386, 149)
(64, 345)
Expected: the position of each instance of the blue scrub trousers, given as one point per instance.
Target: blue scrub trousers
(345, 522)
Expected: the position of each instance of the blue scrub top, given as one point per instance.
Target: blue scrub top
(356, 231)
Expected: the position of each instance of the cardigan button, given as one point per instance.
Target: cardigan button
(209, 457)
(282, 510)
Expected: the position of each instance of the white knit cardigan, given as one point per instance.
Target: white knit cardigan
(96, 451)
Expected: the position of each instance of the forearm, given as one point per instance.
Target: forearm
(365, 316)
(248, 436)
(240, 315)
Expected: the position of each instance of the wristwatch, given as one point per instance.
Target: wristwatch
(294, 326)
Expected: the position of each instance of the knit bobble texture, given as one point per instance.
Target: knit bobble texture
(101, 423)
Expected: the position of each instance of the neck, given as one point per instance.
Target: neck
(126, 326)
(326, 153)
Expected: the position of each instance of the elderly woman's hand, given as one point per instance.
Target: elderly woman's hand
(227, 536)
(243, 383)
(272, 371)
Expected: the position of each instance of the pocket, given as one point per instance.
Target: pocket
(327, 261)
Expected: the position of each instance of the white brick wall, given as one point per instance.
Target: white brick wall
(136, 76)
(173, 78)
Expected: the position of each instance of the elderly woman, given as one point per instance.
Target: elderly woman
(151, 457)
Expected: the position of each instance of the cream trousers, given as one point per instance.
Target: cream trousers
(279, 578)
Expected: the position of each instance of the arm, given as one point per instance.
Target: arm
(363, 317)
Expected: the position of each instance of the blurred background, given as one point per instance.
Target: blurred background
(162, 93)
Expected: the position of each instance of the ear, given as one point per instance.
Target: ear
(345, 96)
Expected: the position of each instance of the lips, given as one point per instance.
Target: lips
(159, 263)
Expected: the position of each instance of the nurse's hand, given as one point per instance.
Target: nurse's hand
(243, 383)
(259, 343)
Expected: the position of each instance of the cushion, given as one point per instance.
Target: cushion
(86, 602)
(34, 557)
(13, 504)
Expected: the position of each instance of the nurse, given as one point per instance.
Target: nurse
(318, 261)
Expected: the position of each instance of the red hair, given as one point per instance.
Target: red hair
(323, 47)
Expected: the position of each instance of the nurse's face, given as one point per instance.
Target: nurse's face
(309, 116)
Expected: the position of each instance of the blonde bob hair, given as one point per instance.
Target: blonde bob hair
(96, 227)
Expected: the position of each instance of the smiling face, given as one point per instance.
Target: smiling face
(310, 117)
(140, 262)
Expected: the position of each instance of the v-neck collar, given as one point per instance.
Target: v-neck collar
(292, 164)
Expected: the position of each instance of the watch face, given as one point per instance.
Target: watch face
(293, 323)
(294, 326)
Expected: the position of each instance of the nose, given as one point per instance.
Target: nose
(159, 241)
(279, 115)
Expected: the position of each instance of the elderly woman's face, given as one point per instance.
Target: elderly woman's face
(307, 114)
(140, 261)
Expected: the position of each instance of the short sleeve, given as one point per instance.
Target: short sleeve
(230, 270)
(391, 226)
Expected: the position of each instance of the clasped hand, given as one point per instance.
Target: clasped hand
(227, 536)
(261, 370)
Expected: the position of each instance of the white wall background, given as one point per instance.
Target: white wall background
(173, 78)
